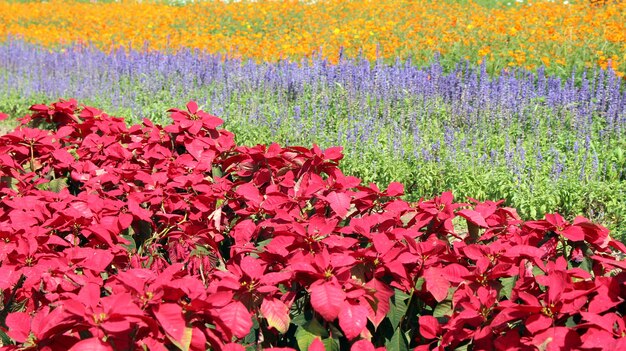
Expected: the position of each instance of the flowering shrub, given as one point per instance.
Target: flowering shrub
(175, 238)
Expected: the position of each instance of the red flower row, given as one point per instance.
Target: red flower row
(160, 238)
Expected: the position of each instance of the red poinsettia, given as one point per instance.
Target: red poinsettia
(150, 237)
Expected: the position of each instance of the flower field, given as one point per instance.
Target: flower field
(542, 142)
(175, 238)
(555, 34)
(312, 175)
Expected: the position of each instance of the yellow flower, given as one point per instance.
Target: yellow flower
(548, 33)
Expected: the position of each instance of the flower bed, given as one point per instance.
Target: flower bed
(167, 238)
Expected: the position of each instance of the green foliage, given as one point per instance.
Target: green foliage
(386, 150)
(306, 333)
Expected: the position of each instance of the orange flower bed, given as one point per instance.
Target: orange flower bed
(552, 34)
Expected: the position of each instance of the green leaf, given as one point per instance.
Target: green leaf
(507, 286)
(74, 153)
(463, 347)
(56, 185)
(200, 250)
(330, 344)
(305, 334)
(537, 271)
(443, 309)
(251, 338)
(398, 342)
(400, 295)
(299, 320)
(217, 172)
(132, 245)
(397, 308)
(570, 323)
(43, 186)
(586, 264)
(4, 339)
(418, 284)
(262, 244)
(11, 182)
(335, 331)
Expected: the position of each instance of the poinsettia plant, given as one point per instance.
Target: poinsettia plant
(176, 238)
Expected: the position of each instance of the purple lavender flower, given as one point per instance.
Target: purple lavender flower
(353, 102)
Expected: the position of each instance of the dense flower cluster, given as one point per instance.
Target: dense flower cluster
(540, 141)
(529, 35)
(161, 238)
